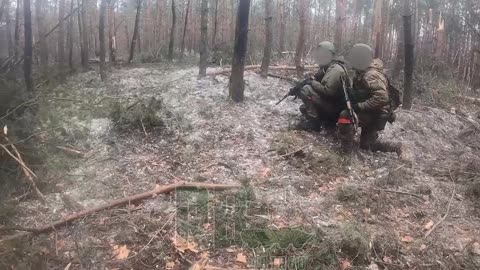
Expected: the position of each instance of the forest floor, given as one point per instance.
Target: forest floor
(302, 206)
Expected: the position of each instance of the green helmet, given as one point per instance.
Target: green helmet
(361, 56)
(327, 45)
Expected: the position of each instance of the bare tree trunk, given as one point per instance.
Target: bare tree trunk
(11, 49)
(283, 28)
(172, 32)
(441, 38)
(16, 34)
(237, 85)
(101, 38)
(70, 37)
(84, 35)
(40, 18)
(215, 25)
(299, 51)
(111, 30)
(267, 52)
(28, 50)
(185, 29)
(203, 39)
(61, 40)
(409, 57)
(377, 28)
(400, 56)
(135, 31)
(340, 23)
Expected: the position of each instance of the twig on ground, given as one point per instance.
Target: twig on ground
(288, 79)
(127, 200)
(399, 192)
(294, 152)
(446, 213)
(28, 173)
(70, 151)
(26, 103)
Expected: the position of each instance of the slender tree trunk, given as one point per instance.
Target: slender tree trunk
(135, 31)
(28, 50)
(101, 39)
(377, 28)
(84, 35)
(400, 56)
(172, 32)
(61, 40)
(11, 48)
(215, 25)
(237, 85)
(267, 52)
(80, 32)
(409, 57)
(441, 38)
(340, 24)
(283, 27)
(300, 49)
(185, 29)
(203, 39)
(70, 37)
(16, 34)
(40, 18)
(111, 30)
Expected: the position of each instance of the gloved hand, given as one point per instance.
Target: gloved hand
(355, 107)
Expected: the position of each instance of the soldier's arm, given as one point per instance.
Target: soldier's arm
(379, 98)
(330, 84)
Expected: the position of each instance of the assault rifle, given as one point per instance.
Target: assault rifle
(353, 115)
(294, 91)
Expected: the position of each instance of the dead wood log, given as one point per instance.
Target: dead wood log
(475, 101)
(252, 67)
(288, 79)
(120, 202)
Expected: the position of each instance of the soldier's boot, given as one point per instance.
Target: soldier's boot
(308, 124)
(387, 147)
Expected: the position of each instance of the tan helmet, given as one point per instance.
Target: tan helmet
(327, 45)
(324, 53)
(361, 56)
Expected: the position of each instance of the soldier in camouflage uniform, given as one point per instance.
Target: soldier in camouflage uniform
(371, 103)
(322, 96)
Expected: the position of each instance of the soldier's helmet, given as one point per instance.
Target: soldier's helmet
(361, 56)
(324, 53)
(327, 45)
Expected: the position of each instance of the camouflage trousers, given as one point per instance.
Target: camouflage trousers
(319, 108)
(371, 124)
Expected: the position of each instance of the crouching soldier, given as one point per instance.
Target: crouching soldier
(371, 103)
(322, 93)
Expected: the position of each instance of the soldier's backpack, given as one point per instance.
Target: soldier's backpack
(394, 95)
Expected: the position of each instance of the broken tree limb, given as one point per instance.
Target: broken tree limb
(288, 79)
(70, 151)
(473, 100)
(120, 202)
(444, 216)
(28, 173)
(252, 67)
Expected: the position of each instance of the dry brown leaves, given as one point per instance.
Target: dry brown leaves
(120, 252)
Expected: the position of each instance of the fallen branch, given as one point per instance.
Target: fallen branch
(293, 152)
(120, 202)
(251, 67)
(28, 173)
(399, 192)
(471, 99)
(444, 216)
(288, 79)
(70, 151)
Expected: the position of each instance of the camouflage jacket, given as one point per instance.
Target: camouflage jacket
(328, 81)
(370, 89)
